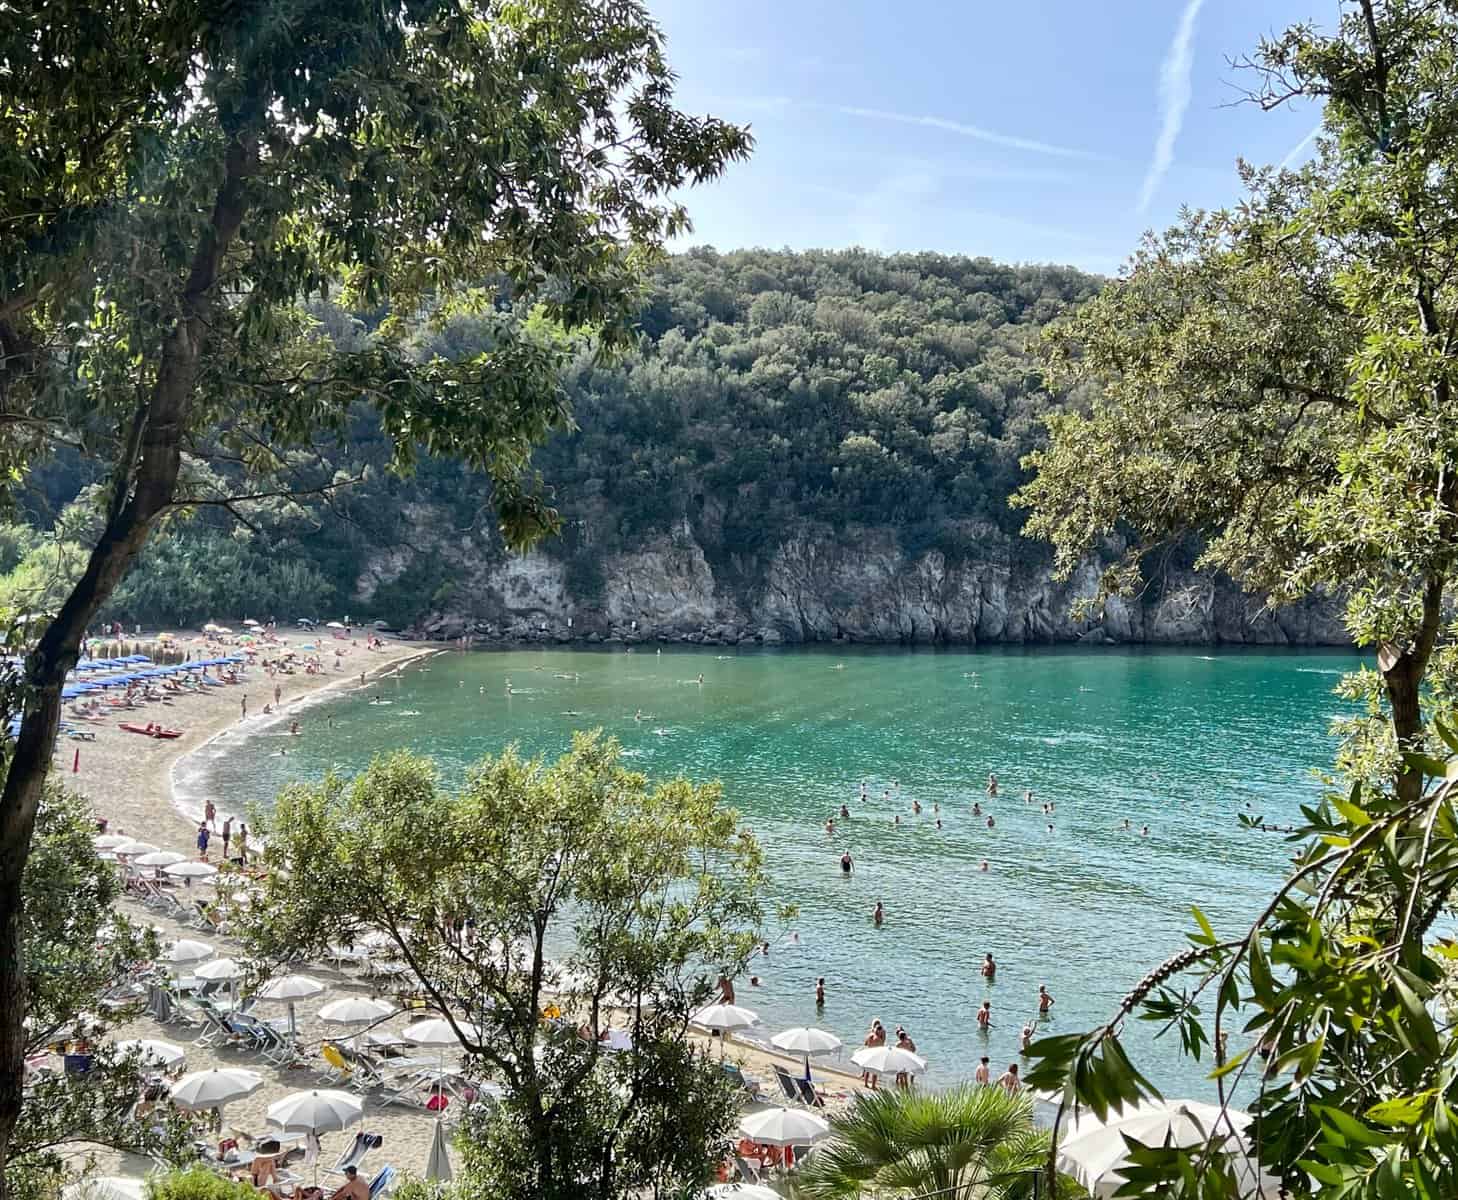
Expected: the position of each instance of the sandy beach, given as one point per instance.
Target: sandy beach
(129, 780)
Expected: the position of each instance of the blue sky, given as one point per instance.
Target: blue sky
(1039, 131)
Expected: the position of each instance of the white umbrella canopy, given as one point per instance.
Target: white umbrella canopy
(888, 1060)
(437, 1031)
(185, 951)
(106, 1187)
(438, 1164)
(288, 989)
(109, 841)
(250, 621)
(190, 869)
(806, 1040)
(742, 1191)
(159, 858)
(784, 1127)
(221, 968)
(213, 1089)
(149, 1050)
(131, 848)
(1094, 1151)
(725, 1016)
(355, 1010)
(319, 1111)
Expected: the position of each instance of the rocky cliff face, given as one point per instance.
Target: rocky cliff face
(824, 586)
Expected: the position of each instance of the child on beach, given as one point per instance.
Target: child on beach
(202, 841)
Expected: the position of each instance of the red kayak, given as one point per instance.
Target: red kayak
(149, 730)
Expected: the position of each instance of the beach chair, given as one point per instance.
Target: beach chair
(748, 1172)
(787, 1085)
(748, 1085)
(216, 1029)
(363, 1144)
(381, 1184)
(809, 1095)
(338, 1066)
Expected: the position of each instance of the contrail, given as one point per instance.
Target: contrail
(1300, 146)
(1174, 98)
(971, 131)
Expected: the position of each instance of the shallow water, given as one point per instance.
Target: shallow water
(1177, 740)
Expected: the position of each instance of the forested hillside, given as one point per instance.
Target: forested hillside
(803, 446)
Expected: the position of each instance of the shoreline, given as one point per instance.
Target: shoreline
(180, 801)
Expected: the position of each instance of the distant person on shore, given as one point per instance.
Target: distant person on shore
(202, 841)
(984, 1016)
(244, 717)
(820, 992)
(904, 1042)
(875, 1037)
(991, 784)
(277, 694)
(1010, 1081)
(847, 864)
(1045, 1000)
(878, 915)
(983, 1074)
(227, 834)
(726, 990)
(242, 844)
(210, 815)
(989, 968)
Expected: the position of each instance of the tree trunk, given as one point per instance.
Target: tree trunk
(1402, 674)
(144, 491)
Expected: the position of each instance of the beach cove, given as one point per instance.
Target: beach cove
(1181, 741)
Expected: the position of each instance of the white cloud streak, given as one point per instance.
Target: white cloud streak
(971, 131)
(1300, 147)
(1174, 99)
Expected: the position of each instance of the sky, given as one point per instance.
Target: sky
(1033, 131)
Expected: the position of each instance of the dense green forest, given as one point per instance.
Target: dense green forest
(768, 389)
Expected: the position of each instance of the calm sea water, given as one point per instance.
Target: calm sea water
(1177, 740)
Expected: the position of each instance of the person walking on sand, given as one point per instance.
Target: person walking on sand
(242, 844)
(244, 717)
(878, 915)
(983, 1074)
(210, 815)
(202, 841)
(227, 833)
(277, 695)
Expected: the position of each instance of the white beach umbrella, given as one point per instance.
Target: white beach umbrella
(807, 1041)
(333, 624)
(162, 1054)
(321, 1111)
(191, 869)
(722, 1017)
(742, 1191)
(215, 1088)
(1094, 1152)
(888, 1060)
(250, 622)
(289, 989)
(133, 848)
(784, 1127)
(106, 1187)
(221, 968)
(437, 1031)
(355, 1010)
(184, 952)
(438, 1164)
(159, 858)
(109, 841)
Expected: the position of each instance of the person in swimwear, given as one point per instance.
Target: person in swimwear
(984, 1016)
(991, 785)
(878, 915)
(983, 1074)
(847, 864)
(844, 813)
(989, 968)
(830, 827)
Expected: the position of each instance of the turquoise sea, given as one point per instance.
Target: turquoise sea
(1179, 740)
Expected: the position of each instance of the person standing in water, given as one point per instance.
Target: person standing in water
(991, 784)
(878, 915)
(1045, 1001)
(820, 993)
(1010, 1081)
(847, 864)
(983, 1074)
(989, 968)
(984, 1016)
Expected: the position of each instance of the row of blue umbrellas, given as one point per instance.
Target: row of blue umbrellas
(90, 685)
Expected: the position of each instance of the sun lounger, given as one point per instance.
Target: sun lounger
(381, 1184)
(352, 1157)
(748, 1172)
(809, 1095)
(787, 1085)
(736, 1075)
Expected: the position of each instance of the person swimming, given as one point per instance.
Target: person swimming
(939, 822)
(976, 809)
(916, 807)
(990, 823)
(984, 865)
(896, 820)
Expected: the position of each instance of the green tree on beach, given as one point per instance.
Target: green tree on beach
(1279, 379)
(529, 906)
(177, 179)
